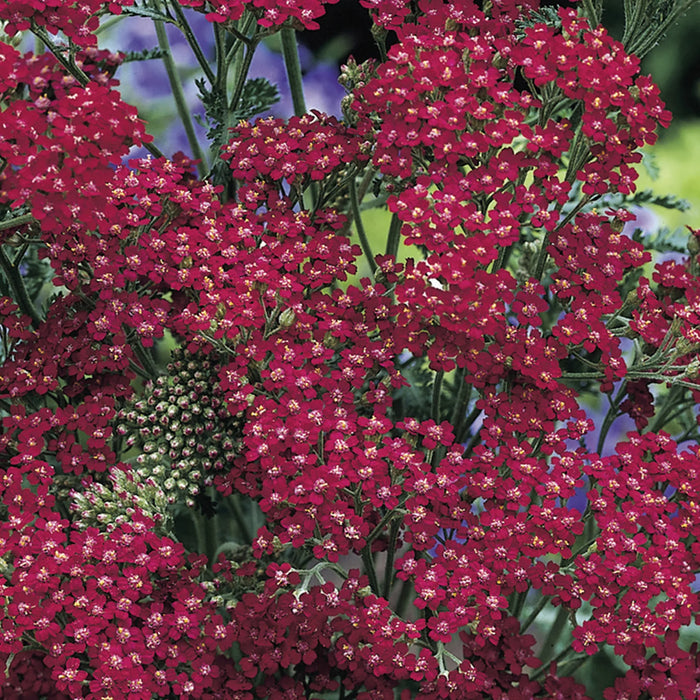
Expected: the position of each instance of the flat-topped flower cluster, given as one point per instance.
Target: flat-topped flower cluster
(381, 455)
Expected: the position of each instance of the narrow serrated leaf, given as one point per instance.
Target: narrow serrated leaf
(259, 94)
(138, 11)
(144, 55)
(667, 201)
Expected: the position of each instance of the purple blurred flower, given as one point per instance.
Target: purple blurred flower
(321, 88)
(645, 219)
(145, 83)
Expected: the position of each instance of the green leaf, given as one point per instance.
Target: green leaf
(667, 201)
(259, 94)
(214, 102)
(666, 240)
(145, 11)
(144, 55)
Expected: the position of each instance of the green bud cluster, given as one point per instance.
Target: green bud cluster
(106, 506)
(181, 429)
(175, 437)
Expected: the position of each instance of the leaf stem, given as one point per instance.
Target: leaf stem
(544, 668)
(242, 75)
(221, 67)
(368, 562)
(389, 572)
(553, 635)
(593, 9)
(234, 508)
(543, 254)
(73, 69)
(108, 24)
(611, 415)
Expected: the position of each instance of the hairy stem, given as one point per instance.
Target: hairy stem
(290, 52)
(179, 97)
(184, 26)
(359, 226)
(16, 222)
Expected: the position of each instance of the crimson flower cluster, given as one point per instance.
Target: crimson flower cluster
(244, 456)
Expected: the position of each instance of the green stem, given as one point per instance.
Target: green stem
(21, 295)
(535, 612)
(359, 226)
(184, 26)
(464, 392)
(78, 74)
(543, 254)
(379, 34)
(642, 38)
(472, 443)
(437, 392)
(518, 603)
(404, 598)
(242, 75)
(200, 535)
(553, 635)
(368, 562)
(382, 524)
(221, 66)
(544, 668)
(394, 238)
(573, 665)
(108, 24)
(144, 356)
(235, 510)
(671, 401)
(465, 424)
(179, 96)
(593, 10)
(611, 415)
(389, 572)
(290, 53)
(16, 222)
(690, 434)
(633, 9)
(20, 254)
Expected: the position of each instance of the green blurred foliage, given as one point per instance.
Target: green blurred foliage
(677, 157)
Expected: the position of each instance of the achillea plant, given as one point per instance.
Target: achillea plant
(252, 448)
